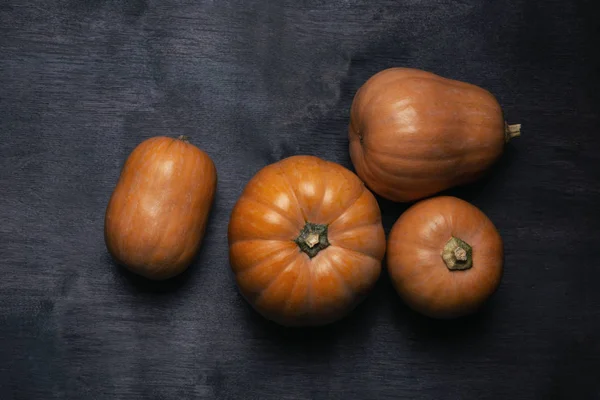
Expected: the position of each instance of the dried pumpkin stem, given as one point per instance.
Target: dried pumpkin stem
(511, 131)
(460, 254)
(457, 254)
(183, 138)
(312, 239)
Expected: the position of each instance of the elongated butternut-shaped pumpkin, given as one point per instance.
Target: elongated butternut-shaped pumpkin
(157, 214)
(413, 133)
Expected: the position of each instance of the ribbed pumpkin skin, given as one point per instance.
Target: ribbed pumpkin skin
(417, 270)
(413, 133)
(282, 282)
(156, 217)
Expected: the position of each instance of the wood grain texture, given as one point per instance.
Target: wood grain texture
(251, 82)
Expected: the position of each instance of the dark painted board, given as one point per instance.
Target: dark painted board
(251, 82)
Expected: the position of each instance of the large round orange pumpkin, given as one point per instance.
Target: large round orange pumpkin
(445, 257)
(157, 214)
(413, 133)
(306, 241)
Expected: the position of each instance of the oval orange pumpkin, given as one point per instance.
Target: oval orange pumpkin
(157, 214)
(444, 257)
(306, 241)
(413, 133)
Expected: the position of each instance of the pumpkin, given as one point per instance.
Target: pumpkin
(444, 257)
(413, 133)
(157, 213)
(305, 241)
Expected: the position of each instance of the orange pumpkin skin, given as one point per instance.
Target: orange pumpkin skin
(287, 207)
(157, 214)
(413, 133)
(418, 270)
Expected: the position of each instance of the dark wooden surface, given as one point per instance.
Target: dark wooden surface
(251, 82)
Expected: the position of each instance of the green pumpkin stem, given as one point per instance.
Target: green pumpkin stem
(457, 255)
(312, 239)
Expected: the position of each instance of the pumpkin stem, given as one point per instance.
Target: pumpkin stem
(183, 138)
(457, 254)
(312, 239)
(511, 131)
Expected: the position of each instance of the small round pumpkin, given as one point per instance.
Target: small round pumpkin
(306, 241)
(444, 257)
(413, 133)
(156, 217)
